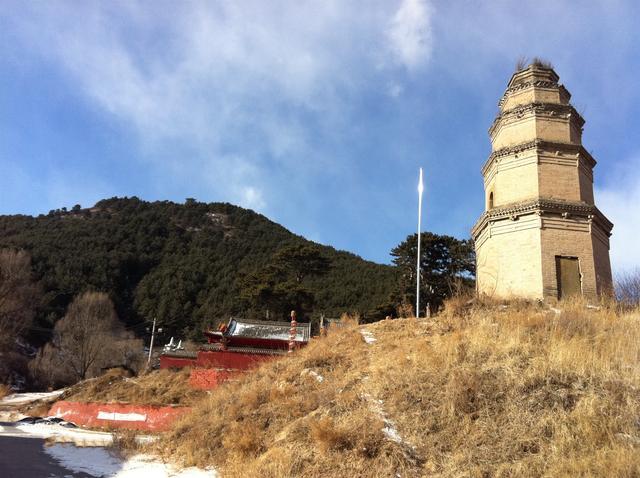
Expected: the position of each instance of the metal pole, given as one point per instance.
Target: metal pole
(153, 333)
(420, 189)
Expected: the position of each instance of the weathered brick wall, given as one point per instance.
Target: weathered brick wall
(557, 129)
(570, 238)
(516, 179)
(559, 180)
(519, 258)
(585, 178)
(514, 132)
(532, 95)
(509, 259)
(604, 280)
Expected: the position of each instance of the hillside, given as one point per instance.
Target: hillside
(182, 263)
(478, 391)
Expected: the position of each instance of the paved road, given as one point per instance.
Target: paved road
(25, 458)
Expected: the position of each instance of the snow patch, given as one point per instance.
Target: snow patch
(11, 416)
(58, 433)
(306, 372)
(24, 398)
(101, 463)
(62, 434)
(367, 336)
(389, 429)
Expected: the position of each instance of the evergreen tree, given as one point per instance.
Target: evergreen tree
(280, 287)
(186, 264)
(446, 264)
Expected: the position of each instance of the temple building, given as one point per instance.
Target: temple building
(541, 235)
(236, 347)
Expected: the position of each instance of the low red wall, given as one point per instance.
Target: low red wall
(231, 360)
(208, 378)
(167, 361)
(118, 415)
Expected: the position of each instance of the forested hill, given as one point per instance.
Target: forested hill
(189, 265)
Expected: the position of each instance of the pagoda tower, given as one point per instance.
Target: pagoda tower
(541, 235)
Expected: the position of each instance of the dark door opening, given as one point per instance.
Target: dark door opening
(569, 278)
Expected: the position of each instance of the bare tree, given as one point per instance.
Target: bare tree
(628, 287)
(89, 338)
(19, 296)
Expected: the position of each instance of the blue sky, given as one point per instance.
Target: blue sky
(316, 114)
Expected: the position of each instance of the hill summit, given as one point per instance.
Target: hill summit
(186, 264)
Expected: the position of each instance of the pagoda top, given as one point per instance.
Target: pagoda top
(540, 77)
(536, 71)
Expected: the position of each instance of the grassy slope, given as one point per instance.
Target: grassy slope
(161, 387)
(519, 391)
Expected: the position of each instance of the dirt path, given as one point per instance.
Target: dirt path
(377, 406)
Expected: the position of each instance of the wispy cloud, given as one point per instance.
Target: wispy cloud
(233, 80)
(410, 35)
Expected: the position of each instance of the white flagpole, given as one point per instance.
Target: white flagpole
(420, 189)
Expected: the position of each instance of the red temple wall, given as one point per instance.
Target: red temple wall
(231, 360)
(167, 361)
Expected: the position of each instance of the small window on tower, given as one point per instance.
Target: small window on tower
(491, 200)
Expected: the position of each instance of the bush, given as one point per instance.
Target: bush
(87, 340)
(627, 288)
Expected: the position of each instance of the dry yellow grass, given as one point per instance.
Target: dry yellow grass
(4, 390)
(162, 387)
(501, 391)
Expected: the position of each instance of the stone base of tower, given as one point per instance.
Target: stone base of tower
(543, 250)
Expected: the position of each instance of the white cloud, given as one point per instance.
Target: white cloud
(620, 202)
(252, 198)
(410, 35)
(233, 81)
(395, 90)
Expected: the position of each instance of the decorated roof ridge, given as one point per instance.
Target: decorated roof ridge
(180, 353)
(535, 144)
(265, 322)
(538, 108)
(261, 322)
(251, 350)
(543, 205)
(233, 323)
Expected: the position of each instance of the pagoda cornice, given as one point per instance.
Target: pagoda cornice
(540, 146)
(542, 84)
(543, 206)
(537, 109)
